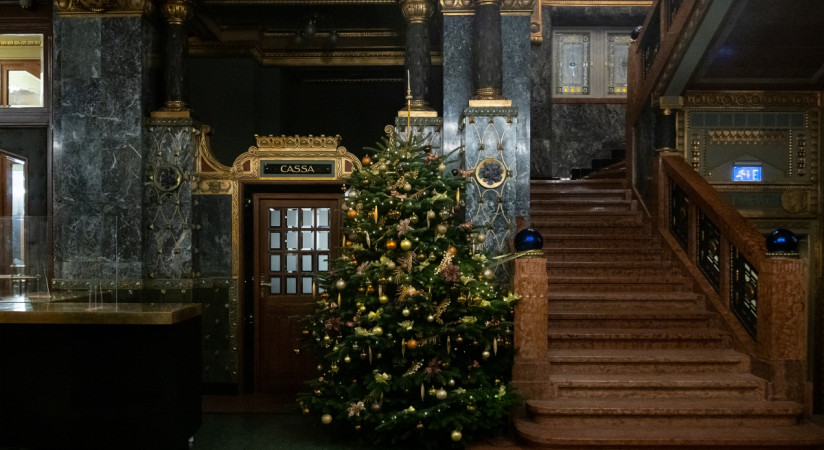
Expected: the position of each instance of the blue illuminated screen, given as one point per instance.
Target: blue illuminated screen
(746, 173)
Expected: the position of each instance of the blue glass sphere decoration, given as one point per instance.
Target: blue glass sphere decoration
(528, 239)
(782, 241)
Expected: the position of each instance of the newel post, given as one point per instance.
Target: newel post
(531, 363)
(782, 326)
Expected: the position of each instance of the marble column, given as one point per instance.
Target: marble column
(487, 71)
(103, 81)
(418, 58)
(177, 13)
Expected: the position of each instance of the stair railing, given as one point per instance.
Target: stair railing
(761, 299)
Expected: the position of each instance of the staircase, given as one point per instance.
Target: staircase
(636, 360)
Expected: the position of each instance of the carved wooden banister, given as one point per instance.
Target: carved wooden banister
(778, 344)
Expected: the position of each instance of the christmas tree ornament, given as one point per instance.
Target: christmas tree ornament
(452, 250)
(390, 265)
(305, 410)
(485, 354)
(384, 299)
(419, 426)
(347, 359)
(374, 214)
(441, 228)
(451, 382)
(413, 218)
(406, 244)
(427, 149)
(391, 244)
(376, 406)
(430, 318)
(340, 284)
(326, 419)
(377, 331)
(441, 167)
(488, 273)
(441, 394)
(470, 408)
(363, 355)
(456, 435)
(351, 213)
(393, 214)
(407, 187)
(406, 312)
(412, 344)
(445, 214)
(528, 239)
(432, 391)
(366, 160)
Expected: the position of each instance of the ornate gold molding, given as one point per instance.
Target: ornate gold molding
(177, 12)
(746, 137)
(752, 99)
(646, 3)
(467, 7)
(111, 8)
(417, 11)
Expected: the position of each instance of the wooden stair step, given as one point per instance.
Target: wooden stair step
(612, 268)
(608, 338)
(590, 184)
(705, 361)
(663, 412)
(649, 385)
(614, 254)
(803, 436)
(546, 193)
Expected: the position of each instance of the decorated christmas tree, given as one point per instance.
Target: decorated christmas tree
(413, 338)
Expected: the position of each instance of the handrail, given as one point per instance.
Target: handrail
(776, 291)
(658, 49)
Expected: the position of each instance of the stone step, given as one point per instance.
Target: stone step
(803, 436)
(549, 206)
(663, 412)
(613, 338)
(703, 361)
(611, 268)
(601, 283)
(629, 300)
(617, 317)
(617, 253)
(607, 216)
(577, 192)
(594, 240)
(573, 184)
(668, 386)
(549, 226)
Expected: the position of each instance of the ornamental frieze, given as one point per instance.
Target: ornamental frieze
(468, 6)
(108, 7)
(750, 99)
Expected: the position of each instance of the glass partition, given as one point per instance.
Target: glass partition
(23, 258)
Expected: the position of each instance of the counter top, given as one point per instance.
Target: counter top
(35, 312)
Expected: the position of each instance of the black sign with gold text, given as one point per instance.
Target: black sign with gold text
(302, 169)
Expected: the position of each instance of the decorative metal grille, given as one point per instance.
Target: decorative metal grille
(709, 249)
(679, 215)
(744, 292)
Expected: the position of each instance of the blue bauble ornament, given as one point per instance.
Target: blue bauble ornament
(782, 241)
(528, 239)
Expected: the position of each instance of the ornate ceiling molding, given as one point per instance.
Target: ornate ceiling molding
(752, 99)
(467, 7)
(109, 8)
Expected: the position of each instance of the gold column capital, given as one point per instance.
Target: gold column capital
(417, 11)
(107, 7)
(177, 12)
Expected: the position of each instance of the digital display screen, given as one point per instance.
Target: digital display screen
(746, 173)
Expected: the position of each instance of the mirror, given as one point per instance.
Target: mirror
(21, 70)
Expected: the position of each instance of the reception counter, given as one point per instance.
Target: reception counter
(81, 375)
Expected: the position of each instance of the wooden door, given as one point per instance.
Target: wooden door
(296, 238)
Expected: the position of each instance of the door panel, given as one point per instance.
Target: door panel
(295, 241)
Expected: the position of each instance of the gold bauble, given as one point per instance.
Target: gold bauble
(406, 312)
(377, 331)
(457, 436)
(383, 298)
(326, 419)
(347, 359)
(411, 344)
(352, 213)
(430, 318)
(370, 289)
(452, 250)
(406, 244)
(340, 284)
(419, 426)
(391, 244)
(485, 354)
(441, 394)
(366, 160)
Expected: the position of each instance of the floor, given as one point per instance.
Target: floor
(259, 422)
